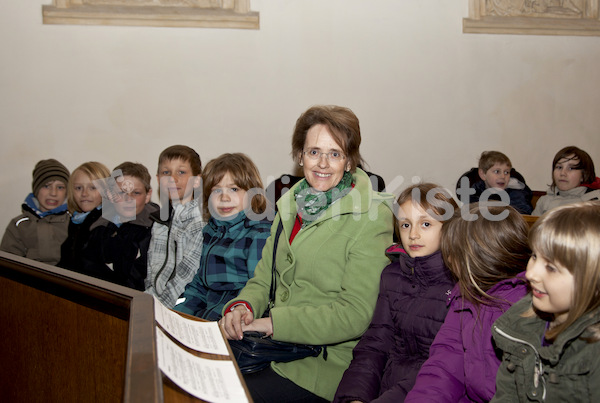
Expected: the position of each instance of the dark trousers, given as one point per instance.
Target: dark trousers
(268, 387)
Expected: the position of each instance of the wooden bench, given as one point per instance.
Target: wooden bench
(530, 219)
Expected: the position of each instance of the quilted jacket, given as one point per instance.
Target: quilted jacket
(410, 309)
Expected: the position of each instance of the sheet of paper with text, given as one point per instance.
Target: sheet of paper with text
(200, 336)
(211, 380)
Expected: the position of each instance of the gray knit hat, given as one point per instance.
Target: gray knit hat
(46, 171)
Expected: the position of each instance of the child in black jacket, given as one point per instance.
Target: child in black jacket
(117, 249)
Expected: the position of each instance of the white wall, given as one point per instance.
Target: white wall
(429, 97)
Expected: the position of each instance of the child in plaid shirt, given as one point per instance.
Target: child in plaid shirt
(234, 206)
(176, 243)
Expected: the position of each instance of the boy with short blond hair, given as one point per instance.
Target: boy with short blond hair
(39, 231)
(117, 249)
(495, 174)
(176, 243)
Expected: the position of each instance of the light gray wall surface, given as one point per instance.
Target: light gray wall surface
(429, 97)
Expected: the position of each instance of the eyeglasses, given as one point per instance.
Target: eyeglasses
(334, 156)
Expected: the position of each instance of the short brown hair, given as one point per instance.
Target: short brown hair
(342, 124)
(137, 171)
(569, 236)
(585, 163)
(183, 153)
(244, 173)
(490, 158)
(482, 252)
(94, 170)
(430, 197)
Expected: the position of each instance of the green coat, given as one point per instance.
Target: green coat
(327, 281)
(570, 365)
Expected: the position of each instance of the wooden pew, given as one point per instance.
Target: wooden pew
(530, 219)
(67, 337)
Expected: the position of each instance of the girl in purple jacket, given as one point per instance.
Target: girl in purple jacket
(487, 256)
(411, 305)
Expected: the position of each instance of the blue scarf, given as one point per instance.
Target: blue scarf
(32, 202)
(78, 217)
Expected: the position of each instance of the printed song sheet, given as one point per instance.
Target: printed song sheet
(211, 380)
(200, 336)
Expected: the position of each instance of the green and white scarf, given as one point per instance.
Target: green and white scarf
(312, 203)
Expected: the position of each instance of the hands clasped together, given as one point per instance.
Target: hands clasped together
(240, 320)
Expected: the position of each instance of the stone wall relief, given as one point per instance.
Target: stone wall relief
(157, 13)
(534, 17)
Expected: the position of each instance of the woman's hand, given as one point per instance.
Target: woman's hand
(235, 322)
(264, 325)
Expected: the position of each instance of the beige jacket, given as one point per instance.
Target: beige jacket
(552, 199)
(36, 238)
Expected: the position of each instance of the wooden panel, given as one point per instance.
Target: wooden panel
(67, 337)
(143, 381)
(60, 350)
(70, 337)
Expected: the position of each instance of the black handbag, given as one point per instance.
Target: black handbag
(256, 350)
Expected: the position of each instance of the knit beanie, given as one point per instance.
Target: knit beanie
(46, 171)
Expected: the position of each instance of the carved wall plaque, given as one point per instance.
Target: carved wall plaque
(533, 17)
(157, 13)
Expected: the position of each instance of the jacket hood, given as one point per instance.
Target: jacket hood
(498, 290)
(595, 185)
(393, 252)
(513, 183)
(516, 181)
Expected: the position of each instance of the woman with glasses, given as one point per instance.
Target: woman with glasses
(329, 260)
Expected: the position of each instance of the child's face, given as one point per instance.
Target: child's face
(419, 232)
(496, 177)
(85, 193)
(565, 176)
(175, 177)
(52, 195)
(133, 197)
(226, 198)
(552, 287)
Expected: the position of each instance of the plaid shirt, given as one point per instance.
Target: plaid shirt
(174, 252)
(230, 252)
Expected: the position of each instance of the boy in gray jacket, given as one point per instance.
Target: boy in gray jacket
(39, 231)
